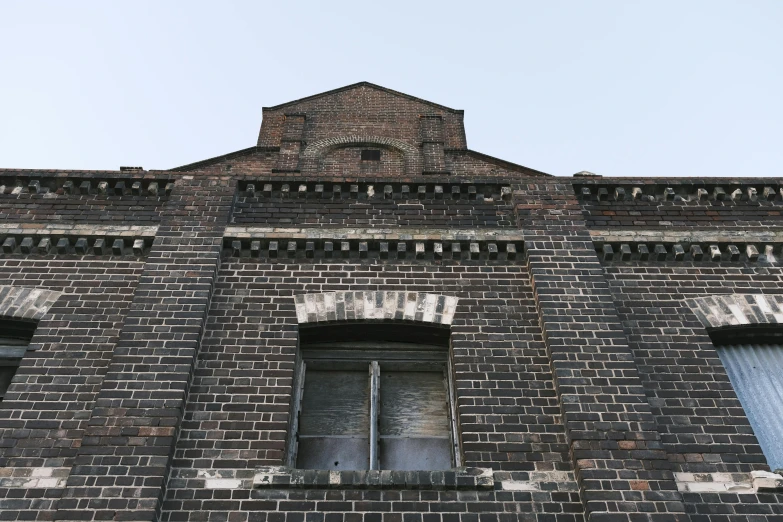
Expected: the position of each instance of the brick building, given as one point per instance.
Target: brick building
(360, 318)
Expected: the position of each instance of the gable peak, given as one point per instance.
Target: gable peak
(360, 85)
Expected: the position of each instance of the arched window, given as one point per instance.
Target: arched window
(374, 396)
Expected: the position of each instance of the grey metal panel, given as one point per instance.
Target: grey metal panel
(336, 453)
(417, 453)
(756, 373)
(414, 404)
(336, 403)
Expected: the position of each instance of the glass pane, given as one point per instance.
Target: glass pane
(409, 454)
(336, 403)
(335, 453)
(413, 404)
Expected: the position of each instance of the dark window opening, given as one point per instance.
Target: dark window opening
(371, 155)
(14, 338)
(373, 405)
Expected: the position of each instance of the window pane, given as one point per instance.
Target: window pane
(756, 373)
(336, 403)
(333, 453)
(334, 423)
(414, 404)
(414, 421)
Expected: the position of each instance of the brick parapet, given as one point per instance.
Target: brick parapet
(620, 463)
(683, 203)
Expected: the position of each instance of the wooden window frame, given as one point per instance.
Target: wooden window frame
(376, 357)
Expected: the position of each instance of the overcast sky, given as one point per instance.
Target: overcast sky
(619, 88)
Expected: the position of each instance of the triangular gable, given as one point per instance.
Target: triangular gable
(356, 86)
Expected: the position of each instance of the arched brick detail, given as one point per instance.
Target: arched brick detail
(26, 303)
(738, 309)
(318, 149)
(360, 306)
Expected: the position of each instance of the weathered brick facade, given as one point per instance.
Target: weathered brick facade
(581, 312)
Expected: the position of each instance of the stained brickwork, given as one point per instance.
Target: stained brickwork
(580, 312)
(34, 196)
(609, 424)
(46, 408)
(137, 413)
(387, 202)
(650, 204)
(237, 417)
(374, 110)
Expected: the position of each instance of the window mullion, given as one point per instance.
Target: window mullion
(375, 388)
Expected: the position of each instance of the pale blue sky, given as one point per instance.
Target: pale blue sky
(620, 88)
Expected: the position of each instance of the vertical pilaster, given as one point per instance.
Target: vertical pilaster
(291, 142)
(122, 465)
(432, 140)
(620, 463)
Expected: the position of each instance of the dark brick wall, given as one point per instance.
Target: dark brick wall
(347, 162)
(238, 410)
(238, 413)
(617, 452)
(47, 407)
(677, 203)
(44, 413)
(30, 196)
(362, 110)
(378, 204)
(138, 410)
(159, 385)
(701, 422)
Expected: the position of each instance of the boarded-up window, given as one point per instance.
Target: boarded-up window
(334, 426)
(374, 406)
(414, 421)
(756, 373)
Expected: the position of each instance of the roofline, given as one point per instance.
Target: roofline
(500, 162)
(67, 172)
(217, 159)
(362, 84)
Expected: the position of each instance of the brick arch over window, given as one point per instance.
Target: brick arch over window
(420, 307)
(720, 311)
(26, 303)
(321, 148)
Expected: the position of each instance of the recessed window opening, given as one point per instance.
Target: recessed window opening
(371, 155)
(14, 338)
(374, 404)
(754, 363)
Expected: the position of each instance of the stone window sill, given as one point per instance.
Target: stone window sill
(459, 478)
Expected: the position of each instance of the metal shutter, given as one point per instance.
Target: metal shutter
(756, 372)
